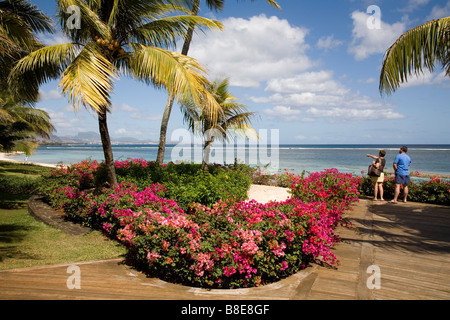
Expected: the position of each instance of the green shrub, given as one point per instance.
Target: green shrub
(206, 188)
(433, 191)
(18, 185)
(185, 183)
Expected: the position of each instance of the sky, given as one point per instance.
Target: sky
(310, 72)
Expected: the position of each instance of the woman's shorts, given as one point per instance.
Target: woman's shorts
(400, 179)
(379, 179)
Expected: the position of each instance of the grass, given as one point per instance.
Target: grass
(22, 170)
(16, 178)
(26, 242)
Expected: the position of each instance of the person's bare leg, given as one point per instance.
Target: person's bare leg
(397, 192)
(405, 193)
(375, 187)
(381, 190)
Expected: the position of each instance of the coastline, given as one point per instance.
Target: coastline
(5, 157)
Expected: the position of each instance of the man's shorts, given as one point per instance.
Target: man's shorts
(401, 179)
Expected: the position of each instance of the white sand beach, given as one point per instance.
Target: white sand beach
(5, 157)
(264, 194)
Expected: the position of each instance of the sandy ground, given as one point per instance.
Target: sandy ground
(264, 194)
(5, 157)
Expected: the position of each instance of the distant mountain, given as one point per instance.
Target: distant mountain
(88, 137)
(91, 137)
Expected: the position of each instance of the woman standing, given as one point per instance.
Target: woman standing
(378, 163)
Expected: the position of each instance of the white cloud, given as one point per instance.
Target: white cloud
(318, 81)
(352, 114)
(146, 117)
(303, 99)
(272, 51)
(135, 113)
(50, 95)
(251, 51)
(439, 12)
(287, 113)
(321, 96)
(52, 39)
(413, 5)
(329, 42)
(367, 41)
(68, 124)
(127, 108)
(127, 132)
(427, 78)
(367, 81)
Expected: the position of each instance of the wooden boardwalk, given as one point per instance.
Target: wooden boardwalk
(399, 251)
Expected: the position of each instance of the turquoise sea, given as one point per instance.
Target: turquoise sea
(295, 158)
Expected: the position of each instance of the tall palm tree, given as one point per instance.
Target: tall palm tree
(21, 124)
(417, 49)
(213, 5)
(234, 118)
(118, 37)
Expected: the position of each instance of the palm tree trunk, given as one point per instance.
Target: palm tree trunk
(171, 98)
(107, 149)
(187, 41)
(163, 132)
(206, 153)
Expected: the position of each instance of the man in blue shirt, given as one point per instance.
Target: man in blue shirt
(401, 167)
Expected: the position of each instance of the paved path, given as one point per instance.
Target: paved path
(405, 246)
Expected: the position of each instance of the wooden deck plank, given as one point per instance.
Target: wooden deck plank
(409, 243)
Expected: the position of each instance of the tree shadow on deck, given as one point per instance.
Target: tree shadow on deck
(415, 227)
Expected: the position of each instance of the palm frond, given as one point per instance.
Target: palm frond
(233, 119)
(417, 49)
(26, 146)
(215, 4)
(91, 23)
(26, 118)
(5, 116)
(29, 14)
(273, 3)
(39, 67)
(37, 120)
(165, 31)
(15, 35)
(88, 80)
(180, 75)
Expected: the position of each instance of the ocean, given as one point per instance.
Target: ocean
(432, 159)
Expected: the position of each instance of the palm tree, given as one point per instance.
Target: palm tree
(213, 5)
(19, 23)
(419, 48)
(20, 125)
(118, 37)
(234, 118)
(20, 122)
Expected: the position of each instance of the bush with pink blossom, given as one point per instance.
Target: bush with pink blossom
(230, 244)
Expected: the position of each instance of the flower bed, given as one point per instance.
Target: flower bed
(230, 244)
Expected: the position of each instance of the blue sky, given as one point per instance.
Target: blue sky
(310, 71)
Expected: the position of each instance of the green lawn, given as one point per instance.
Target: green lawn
(26, 242)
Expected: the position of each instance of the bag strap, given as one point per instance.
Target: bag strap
(382, 163)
